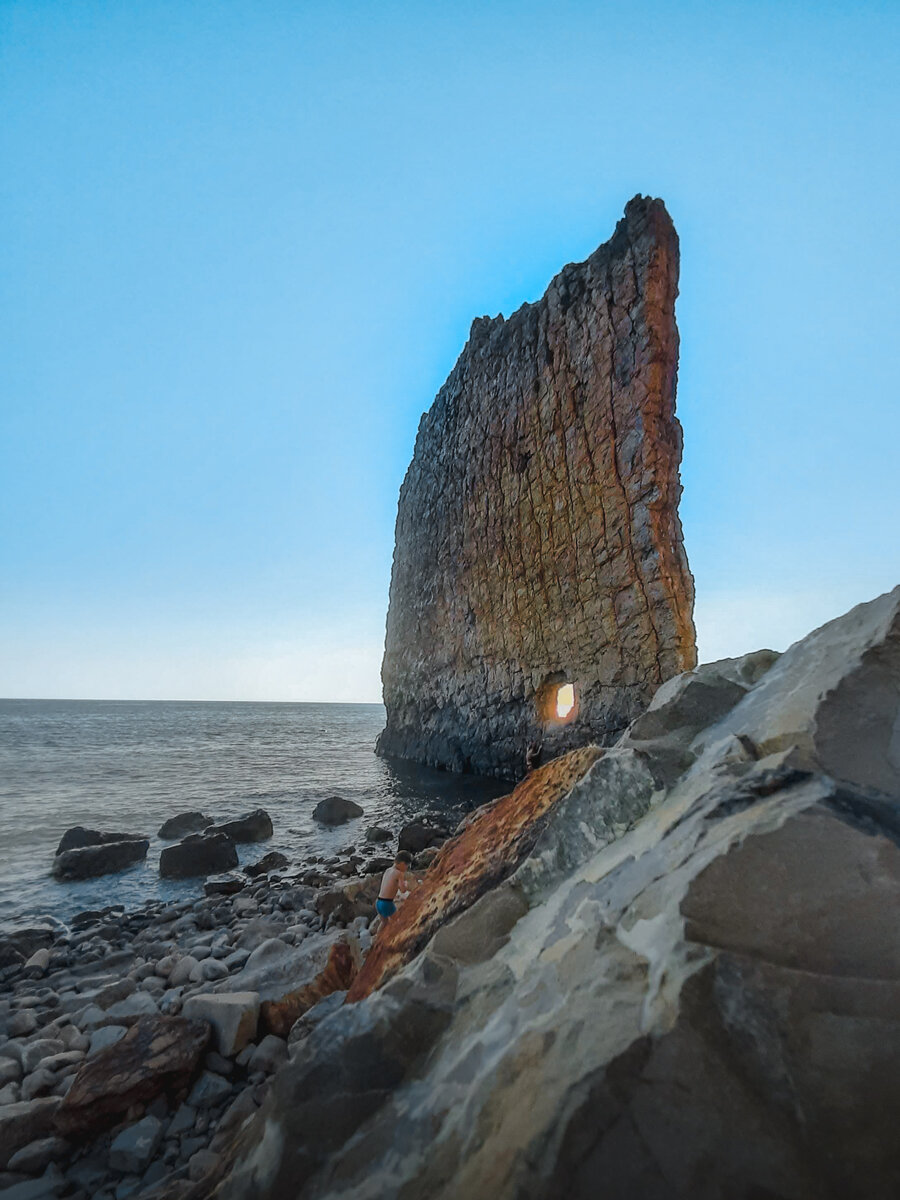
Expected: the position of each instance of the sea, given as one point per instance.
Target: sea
(127, 766)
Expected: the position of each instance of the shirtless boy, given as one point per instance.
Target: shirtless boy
(391, 882)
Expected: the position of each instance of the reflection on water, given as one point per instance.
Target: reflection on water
(128, 766)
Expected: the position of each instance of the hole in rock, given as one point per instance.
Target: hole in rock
(565, 700)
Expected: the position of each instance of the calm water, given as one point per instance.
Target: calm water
(127, 766)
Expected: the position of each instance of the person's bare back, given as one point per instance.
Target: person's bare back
(391, 882)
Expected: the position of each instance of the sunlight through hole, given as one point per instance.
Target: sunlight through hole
(565, 700)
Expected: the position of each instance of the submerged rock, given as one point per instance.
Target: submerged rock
(200, 854)
(90, 861)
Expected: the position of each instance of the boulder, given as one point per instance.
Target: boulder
(273, 861)
(37, 1156)
(209, 1091)
(28, 939)
(183, 824)
(159, 1055)
(290, 982)
(224, 885)
(418, 835)
(376, 833)
(335, 810)
(133, 1149)
(684, 705)
(24, 1123)
(834, 696)
(319, 1012)
(78, 837)
(208, 853)
(107, 1035)
(350, 900)
(254, 826)
(103, 859)
(268, 1056)
(375, 866)
(232, 1015)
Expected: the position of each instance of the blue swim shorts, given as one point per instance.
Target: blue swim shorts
(385, 908)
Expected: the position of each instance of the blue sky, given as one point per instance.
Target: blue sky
(242, 247)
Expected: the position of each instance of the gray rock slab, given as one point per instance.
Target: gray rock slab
(232, 1015)
(132, 1150)
(209, 1091)
(108, 1035)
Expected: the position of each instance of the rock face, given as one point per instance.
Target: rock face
(685, 983)
(538, 541)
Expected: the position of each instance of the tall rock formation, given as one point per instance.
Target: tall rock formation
(538, 541)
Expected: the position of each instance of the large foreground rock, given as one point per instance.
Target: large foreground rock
(158, 1055)
(91, 861)
(200, 854)
(699, 1002)
(538, 539)
(254, 826)
(835, 695)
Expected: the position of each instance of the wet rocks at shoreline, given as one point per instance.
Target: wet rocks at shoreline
(254, 826)
(198, 854)
(186, 1005)
(89, 862)
(335, 810)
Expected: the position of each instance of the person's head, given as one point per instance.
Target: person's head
(403, 861)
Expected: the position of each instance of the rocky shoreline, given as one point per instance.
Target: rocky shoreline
(133, 1044)
(670, 965)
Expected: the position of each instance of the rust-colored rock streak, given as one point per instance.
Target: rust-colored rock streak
(278, 1016)
(487, 851)
(538, 538)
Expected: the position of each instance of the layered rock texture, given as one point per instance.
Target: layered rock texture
(538, 539)
(682, 981)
